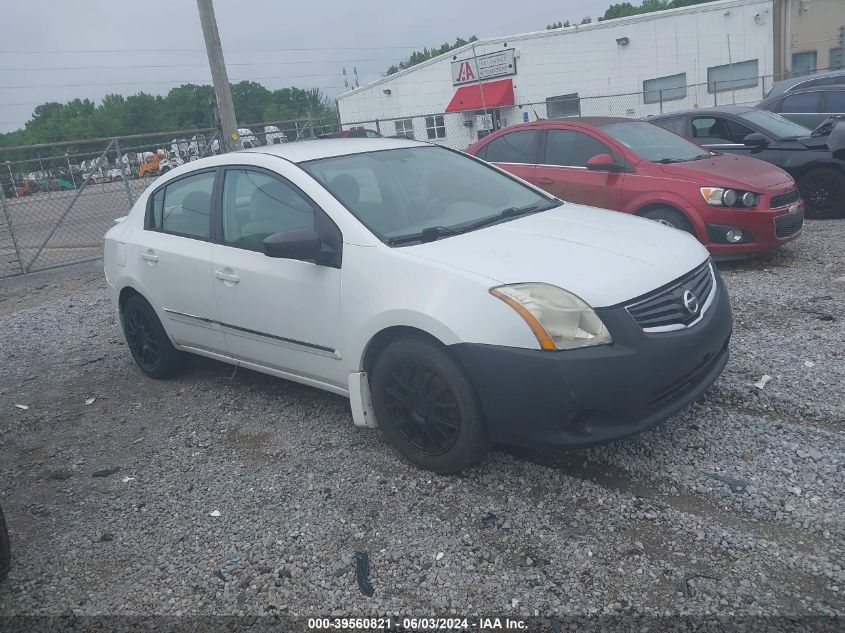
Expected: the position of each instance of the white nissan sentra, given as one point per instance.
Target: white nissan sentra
(454, 305)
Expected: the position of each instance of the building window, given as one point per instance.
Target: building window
(837, 58)
(435, 126)
(804, 63)
(563, 105)
(665, 88)
(733, 76)
(405, 127)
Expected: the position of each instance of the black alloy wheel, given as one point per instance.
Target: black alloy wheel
(426, 406)
(150, 346)
(423, 407)
(823, 191)
(141, 339)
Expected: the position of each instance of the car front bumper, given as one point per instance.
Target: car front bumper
(580, 397)
(767, 229)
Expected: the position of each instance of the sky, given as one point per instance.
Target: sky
(57, 50)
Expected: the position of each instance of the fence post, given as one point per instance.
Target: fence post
(660, 96)
(123, 175)
(378, 127)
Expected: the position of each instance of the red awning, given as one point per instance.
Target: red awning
(496, 94)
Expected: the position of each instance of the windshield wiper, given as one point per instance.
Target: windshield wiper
(432, 233)
(428, 234)
(512, 212)
(666, 161)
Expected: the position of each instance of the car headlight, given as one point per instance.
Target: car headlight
(559, 319)
(721, 197)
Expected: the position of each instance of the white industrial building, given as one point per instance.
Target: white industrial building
(720, 52)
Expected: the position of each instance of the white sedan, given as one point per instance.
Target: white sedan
(453, 304)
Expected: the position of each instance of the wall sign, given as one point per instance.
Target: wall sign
(499, 64)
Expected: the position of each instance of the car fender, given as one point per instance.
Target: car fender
(832, 163)
(668, 199)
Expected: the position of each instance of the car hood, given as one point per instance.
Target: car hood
(604, 257)
(742, 172)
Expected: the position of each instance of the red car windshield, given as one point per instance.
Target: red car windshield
(653, 142)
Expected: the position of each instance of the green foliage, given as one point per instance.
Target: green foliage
(426, 54)
(558, 25)
(188, 106)
(624, 9)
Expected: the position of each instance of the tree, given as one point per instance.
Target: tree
(586, 20)
(624, 9)
(420, 56)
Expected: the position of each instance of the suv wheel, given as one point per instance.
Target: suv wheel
(427, 408)
(823, 191)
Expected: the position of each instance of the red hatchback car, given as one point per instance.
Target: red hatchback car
(734, 205)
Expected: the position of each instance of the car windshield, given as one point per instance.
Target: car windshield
(418, 194)
(775, 125)
(653, 142)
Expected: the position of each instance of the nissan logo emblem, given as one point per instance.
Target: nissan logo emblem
(690, 302)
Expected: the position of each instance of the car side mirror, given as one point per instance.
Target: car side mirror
(755, 139)
(302, 244)
(604, 162)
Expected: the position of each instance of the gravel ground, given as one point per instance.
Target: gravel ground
(244, 494)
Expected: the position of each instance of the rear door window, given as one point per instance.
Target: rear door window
(835, 102)
(677, 124)
(183, 207)
(808, 102)
(516, 147)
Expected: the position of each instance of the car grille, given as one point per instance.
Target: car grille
(664, 307)
(789, 224)
(783, 199)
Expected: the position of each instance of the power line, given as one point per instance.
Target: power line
(173, 81)
(314, 61)
(199, 50)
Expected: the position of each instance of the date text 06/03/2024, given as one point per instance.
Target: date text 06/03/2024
(417, 624)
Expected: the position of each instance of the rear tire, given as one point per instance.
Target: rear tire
(427, 408)
(5, 549)
(670, 217)
(150, 346)
(823, 191)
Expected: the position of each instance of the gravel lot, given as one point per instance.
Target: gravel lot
(733, 507)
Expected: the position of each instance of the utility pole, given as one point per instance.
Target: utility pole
(222, 90)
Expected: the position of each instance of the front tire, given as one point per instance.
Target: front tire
(427, 408)
(150, 346)
(823, 191)
(670, 217)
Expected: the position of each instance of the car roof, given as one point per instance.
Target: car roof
(594, 121)
(784, 85)
(733, 109)
(825, 88)
(302, 151)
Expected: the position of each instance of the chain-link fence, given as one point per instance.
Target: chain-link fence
(58, 200)
(460, 129)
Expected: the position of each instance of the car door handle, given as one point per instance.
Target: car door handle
(149, 256)
(227, 276)
(545, 181)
